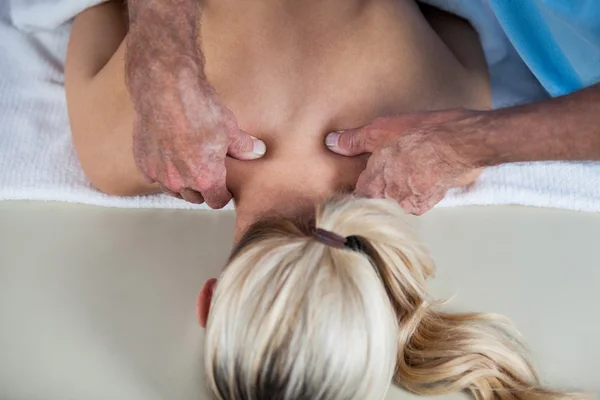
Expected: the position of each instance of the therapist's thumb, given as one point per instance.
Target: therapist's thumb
(244, 146)
(351, 142)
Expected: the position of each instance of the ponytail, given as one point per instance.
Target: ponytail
(438, 352)
(441, 353)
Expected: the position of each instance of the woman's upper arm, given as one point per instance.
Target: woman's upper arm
(96, 35)
(100, 110)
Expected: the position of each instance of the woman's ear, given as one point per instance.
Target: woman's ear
(203, 302)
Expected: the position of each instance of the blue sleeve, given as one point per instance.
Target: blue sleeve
(559, 40)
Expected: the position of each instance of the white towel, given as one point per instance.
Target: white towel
(38, 161)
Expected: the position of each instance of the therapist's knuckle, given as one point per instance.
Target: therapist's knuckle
(361, 140)
(347, 141)
(172, 180)
(149, 168)
(170, 172)
(207, 183)
(370, 136)
(240, 143)
(376, 189)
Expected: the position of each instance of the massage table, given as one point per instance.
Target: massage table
(99, 303)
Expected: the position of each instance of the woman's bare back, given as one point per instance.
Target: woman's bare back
(310, 67)
(293, 71)
(290, 71)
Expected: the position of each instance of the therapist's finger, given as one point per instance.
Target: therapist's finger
(192, 196)
(245, 147)
(353, 142)
(169, 192)
(419, 205)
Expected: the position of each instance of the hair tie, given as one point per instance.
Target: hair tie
(329, 238)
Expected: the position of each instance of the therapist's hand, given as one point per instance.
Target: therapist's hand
(415, 158)
(182, 131)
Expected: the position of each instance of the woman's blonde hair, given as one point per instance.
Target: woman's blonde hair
(293, 319)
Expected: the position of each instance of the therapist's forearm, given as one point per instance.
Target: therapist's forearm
(564, 128)
(164, 31)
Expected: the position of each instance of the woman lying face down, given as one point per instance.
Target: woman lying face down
(291, 317)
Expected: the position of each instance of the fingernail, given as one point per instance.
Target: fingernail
(259, 147)
(332, 139)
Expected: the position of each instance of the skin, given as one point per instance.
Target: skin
(182, 131)
(203, 301)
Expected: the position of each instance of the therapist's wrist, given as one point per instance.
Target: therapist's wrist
(479, 138)
(164, 29)
(162, 40)
(512, 135)
(164, 12)
(566, 128)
